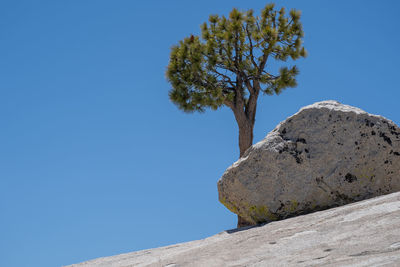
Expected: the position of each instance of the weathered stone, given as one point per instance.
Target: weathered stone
(365, 233)
(326, 155)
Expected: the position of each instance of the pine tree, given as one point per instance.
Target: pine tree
(227, 64)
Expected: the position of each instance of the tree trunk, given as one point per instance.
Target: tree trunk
(245, 141)
(242, 222)
(245, 114)
(245, 136)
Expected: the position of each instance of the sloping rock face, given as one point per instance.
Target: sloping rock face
(326, 155)
(365, 233)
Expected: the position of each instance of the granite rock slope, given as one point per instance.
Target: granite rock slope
(365, 233)
(326, 155)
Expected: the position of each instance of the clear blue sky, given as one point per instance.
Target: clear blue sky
(94, 158)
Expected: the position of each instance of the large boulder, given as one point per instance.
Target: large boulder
(326, 155)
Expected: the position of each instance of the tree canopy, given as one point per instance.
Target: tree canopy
(227, 64)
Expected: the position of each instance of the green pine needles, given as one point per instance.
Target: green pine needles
(232, 55)
(227, 64)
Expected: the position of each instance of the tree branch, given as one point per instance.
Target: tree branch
(229, 104)
(251, 47)
(248, 85)
(227, 78)
(263, 62)
(251, 106)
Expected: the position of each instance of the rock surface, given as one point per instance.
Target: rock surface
(365, 233)
(326, 155)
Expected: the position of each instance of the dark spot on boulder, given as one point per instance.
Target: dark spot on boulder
(284, 131)
(295, 154)
(396, 153)
(284, 149)
(363, 134)
(385, 137)
(350, 178)
(306, 150)
(348, 118)
(356, 143)
(328, 249)
(386, 162)
(280, 207)
(369, 123)
(340, 144)
(393, 130)
(373, 133)
(301, 140)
